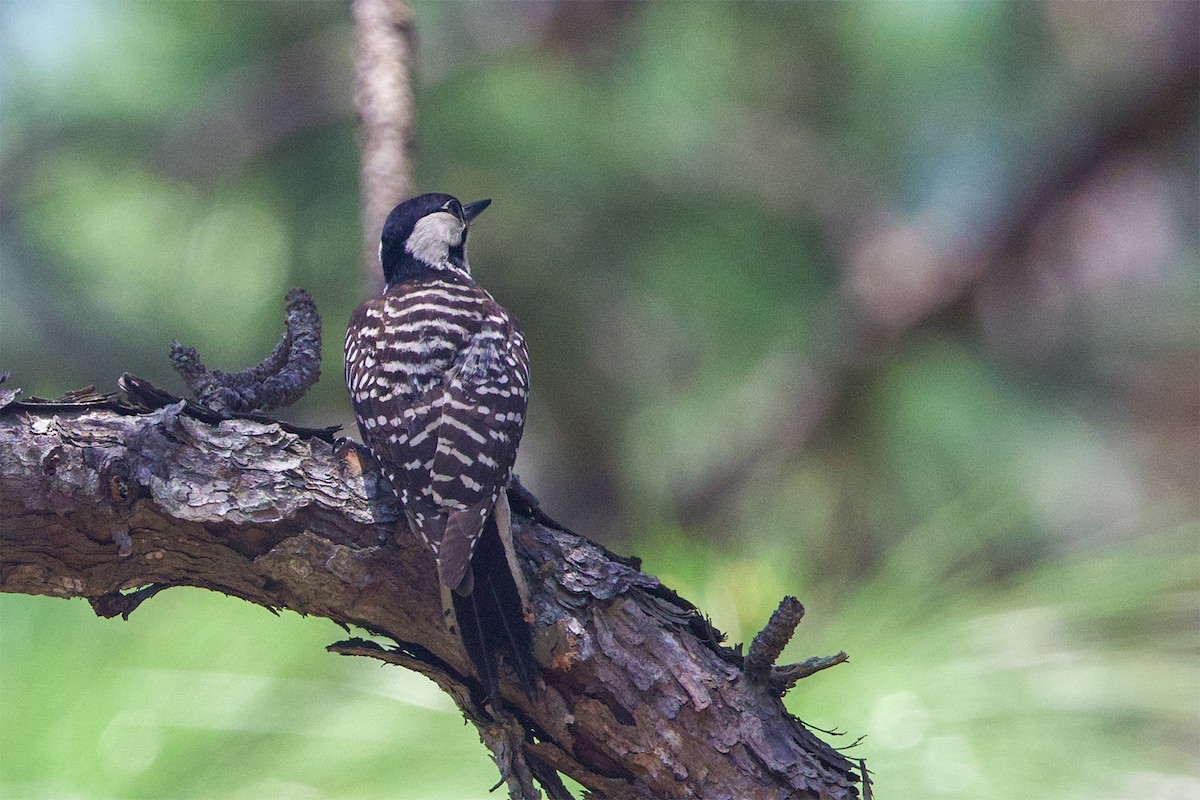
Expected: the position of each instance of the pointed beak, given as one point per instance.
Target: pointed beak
(473, 210)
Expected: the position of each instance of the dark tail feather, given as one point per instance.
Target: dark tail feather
(492, 621)
(471, 626)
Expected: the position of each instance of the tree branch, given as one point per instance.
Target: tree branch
(105, 498)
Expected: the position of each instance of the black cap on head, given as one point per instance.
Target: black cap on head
(398, 261)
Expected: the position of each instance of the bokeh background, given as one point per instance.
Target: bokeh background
(893, 307)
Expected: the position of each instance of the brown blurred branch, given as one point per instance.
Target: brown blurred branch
(251, 108)
(384, 60)
(857, 332)
(1111, 127)
(104, 499)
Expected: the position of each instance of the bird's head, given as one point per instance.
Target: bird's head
(427, 233)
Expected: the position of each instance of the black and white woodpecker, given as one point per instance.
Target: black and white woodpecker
(438, 375)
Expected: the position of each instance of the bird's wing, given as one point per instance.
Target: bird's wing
(393, 408)
(478, 414)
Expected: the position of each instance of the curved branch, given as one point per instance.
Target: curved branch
(114, 503)
(279, 380)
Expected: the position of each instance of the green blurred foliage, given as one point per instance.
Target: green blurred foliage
(208, 698)
(740, 238)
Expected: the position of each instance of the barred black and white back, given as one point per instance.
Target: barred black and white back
(438, 375)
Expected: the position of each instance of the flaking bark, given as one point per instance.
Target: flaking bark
(112, 502)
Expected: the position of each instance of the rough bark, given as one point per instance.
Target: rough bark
(105, 500)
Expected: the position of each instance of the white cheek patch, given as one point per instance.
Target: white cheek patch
(433, 236)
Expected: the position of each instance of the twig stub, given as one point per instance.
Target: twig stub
(769, 643)
(782, 679)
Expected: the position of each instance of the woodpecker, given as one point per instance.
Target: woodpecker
(438, 375)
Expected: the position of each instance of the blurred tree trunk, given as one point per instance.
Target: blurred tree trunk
(383, 66)
(114, 502)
